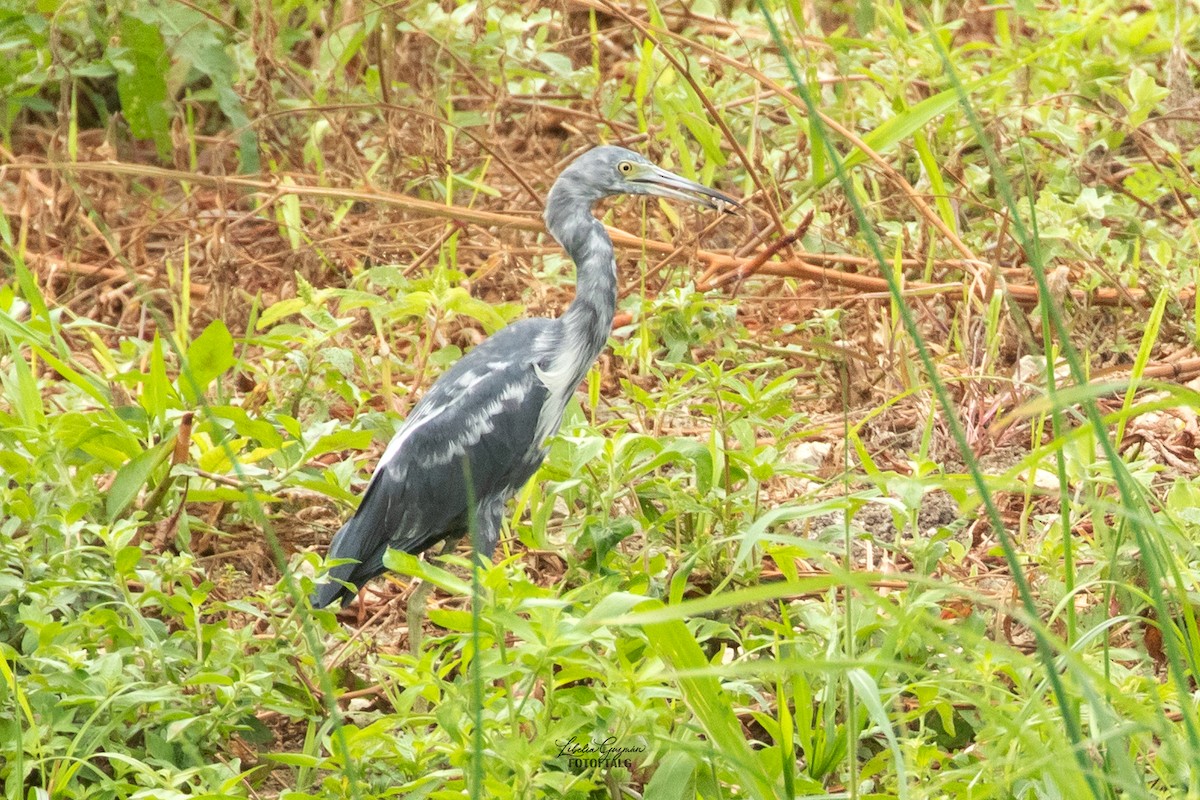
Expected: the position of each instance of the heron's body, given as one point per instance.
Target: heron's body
(490, 414)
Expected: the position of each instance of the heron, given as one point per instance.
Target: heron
(487, 418)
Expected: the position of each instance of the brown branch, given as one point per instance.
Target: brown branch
(756, 262)
(56, 264)
(793, 268)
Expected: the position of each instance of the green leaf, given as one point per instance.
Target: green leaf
(1146, 95)
(903, 125)
(460, 301)
(230, 103)
(290, 219)
(408, 564)
(867, 692)
(603, 539)
(156, 387)
(88, 383)
(207, 357)
(19, 331)
(128, 559)
(29, 288)
(277, 311)
(196, 43)
(294, 759)
(132, 477)
(209, 679)
(654, 612)
(176, 728)
(452, 619)
(1145, 350)
(342, 440)
(247, 426)
(941, 195)
(24, 391)
(675, 778)
(142, 63)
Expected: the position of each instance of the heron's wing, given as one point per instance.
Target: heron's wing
(487, 430)
(482, 415)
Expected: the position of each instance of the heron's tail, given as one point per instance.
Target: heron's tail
(343, 581)
(328, 593)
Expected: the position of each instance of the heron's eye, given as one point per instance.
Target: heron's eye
(625, 167)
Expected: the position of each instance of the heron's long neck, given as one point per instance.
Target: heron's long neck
(588, 320)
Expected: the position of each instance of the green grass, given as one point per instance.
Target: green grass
(801, 539)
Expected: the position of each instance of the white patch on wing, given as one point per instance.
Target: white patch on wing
(515, 390)
(428, 411)
(410, 426)
(469, 380)
(559, 378)
(479, 424)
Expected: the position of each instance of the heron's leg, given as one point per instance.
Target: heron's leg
(487, 529)
(487, 534)
(415, 613)
(416, 616)
(361, 594)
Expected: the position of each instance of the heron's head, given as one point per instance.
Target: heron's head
(608, 170)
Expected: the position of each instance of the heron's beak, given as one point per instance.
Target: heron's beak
(668, 184)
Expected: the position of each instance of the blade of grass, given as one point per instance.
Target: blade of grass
(868, 692)
(941, 196)
(1149, 337)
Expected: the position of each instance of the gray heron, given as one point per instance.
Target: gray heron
(490, 414)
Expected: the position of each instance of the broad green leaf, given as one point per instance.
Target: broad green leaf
(196, 43)
(277, 311)
(1145, 93)
(219, 458)
(141, 63)
(128, 559)
(867, 693)
(903, 125)
(290, 219)
(408, 564)
(460, 301)
(207, 357)
(898, 128)
(226, 494)
(247, 426)
(452, 619)
(342, 440)
(294, 759)
(674, 779)
(132, 477)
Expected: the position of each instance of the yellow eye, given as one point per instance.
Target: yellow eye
(625, 167)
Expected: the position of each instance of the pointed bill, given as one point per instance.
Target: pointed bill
(668, 184)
